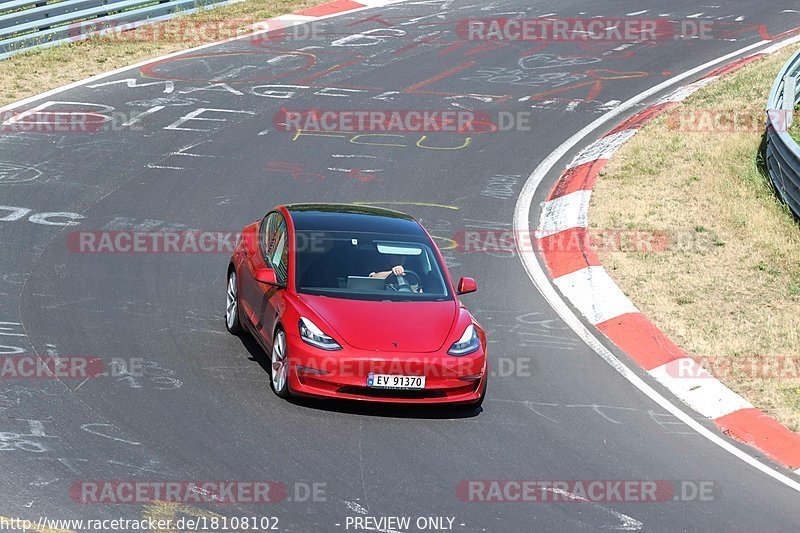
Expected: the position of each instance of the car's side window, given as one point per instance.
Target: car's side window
(274, 245)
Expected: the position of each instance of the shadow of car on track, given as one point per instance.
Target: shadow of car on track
(354, 407)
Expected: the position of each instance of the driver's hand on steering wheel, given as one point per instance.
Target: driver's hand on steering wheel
(397, 271)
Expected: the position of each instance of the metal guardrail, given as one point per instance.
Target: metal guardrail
(31, 24)
(783, 152)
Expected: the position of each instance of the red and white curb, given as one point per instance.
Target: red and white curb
(322, 11)
(577, 272)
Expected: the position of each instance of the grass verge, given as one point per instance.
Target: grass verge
(727, 286)
(794, 130)
(38, 71)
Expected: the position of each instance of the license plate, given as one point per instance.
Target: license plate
(389, 381)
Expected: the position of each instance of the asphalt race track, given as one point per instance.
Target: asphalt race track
(203, 408)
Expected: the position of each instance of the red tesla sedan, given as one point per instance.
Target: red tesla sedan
(354, 303)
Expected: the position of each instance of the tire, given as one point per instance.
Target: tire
(233, 322)
(279, 366)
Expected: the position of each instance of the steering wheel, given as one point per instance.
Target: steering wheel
(402, 283)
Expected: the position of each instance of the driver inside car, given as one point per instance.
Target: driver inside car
(397, 271)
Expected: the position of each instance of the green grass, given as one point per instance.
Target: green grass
(794, 130)
(36, 71)
(735, 288)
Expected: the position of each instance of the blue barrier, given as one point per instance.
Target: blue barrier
(783, 152)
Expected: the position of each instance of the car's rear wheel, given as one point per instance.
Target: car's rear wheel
(232, 322)
(279, 369)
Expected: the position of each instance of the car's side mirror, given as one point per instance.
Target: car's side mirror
(467, 285)
(267, 276)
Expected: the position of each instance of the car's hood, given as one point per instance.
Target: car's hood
(410, 327)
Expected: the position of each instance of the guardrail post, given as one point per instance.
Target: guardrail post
(789, 94)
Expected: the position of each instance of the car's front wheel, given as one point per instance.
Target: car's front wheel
(279, 369)
(232, 322)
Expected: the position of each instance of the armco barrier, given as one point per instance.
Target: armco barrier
(29, 24)
(783, 152)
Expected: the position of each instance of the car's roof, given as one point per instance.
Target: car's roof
(355, 218)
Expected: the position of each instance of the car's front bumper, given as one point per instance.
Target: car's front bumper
(343, 374)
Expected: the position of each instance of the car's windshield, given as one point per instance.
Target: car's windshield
(368, 266)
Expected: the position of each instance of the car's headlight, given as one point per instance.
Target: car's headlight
(468, 343)
(314, 336)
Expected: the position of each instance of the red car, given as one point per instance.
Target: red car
(354, 303)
